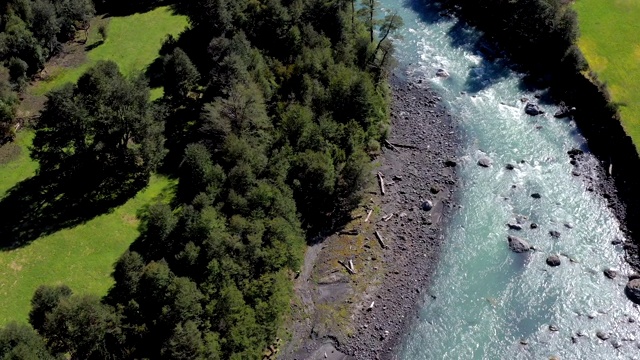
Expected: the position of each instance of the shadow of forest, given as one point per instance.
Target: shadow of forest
(49, 202)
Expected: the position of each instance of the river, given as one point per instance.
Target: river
(489, 302)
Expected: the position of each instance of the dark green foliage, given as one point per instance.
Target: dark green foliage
(84, 328)
(8, 104)
(273, 108)
(538, 34)
(31, 31)
(20, 342)
(45, 299)
(105, 119)
(184, 344)
(180, 75)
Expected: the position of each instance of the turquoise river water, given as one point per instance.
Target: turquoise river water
(489, 301)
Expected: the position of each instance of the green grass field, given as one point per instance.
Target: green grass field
(83, 256)
(610, 40)
(132, 42)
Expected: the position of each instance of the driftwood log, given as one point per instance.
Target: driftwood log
(381, 180)
(388, 217)
(349, 267)
(390, 145)
(381, 240)
(368, 215)
(403, 146)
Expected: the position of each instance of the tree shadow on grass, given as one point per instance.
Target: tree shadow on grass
(46, 203)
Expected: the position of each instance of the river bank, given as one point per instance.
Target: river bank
(366, 314)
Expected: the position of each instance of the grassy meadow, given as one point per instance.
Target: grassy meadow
(132, 42)
(83, 256)
(610, 40)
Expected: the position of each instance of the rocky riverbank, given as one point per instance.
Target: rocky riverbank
(394, 244)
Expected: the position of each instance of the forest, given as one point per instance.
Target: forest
(272, 111)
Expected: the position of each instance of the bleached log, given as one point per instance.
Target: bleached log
(346, 267)
(353, 269)
(381, 240)
(381, 180)
(368, 215)
(403, 145)
(371, 306)
(388, 217)
(390, 145)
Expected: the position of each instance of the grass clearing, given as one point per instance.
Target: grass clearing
(83, 256)
(609, 40)
(132, 42)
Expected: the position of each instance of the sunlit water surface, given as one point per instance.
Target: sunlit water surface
(488, 301)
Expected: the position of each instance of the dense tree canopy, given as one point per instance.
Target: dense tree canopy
(104, 122)
(273, 110)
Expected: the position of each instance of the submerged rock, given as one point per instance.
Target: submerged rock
(442, 73)
(553, 260)
(518, 245)
(485, 162)
(574, 152)
(610, 273)
(514, 226)
(533, 109)
(564, 111)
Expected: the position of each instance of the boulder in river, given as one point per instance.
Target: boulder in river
(610, 273)
(554, 233)
(533, 226)
(442, 73)
(574, 152)
(602, 335)
(485, 162)
(633, 290)
(553, 260)
(533, 109)
(518, 245)
(514, 226)
(427, 205)
(536, 195)
(509, 167)
(564, 111)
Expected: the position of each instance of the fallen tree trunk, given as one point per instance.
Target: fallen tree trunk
(381, 240)
(381, 181)
(368, 215)
(386, 142)
(403, 146)
(350, 270)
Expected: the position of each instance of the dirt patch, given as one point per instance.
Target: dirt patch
(338, 303)
(9, 152)
(130, 219)
(15, 266)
